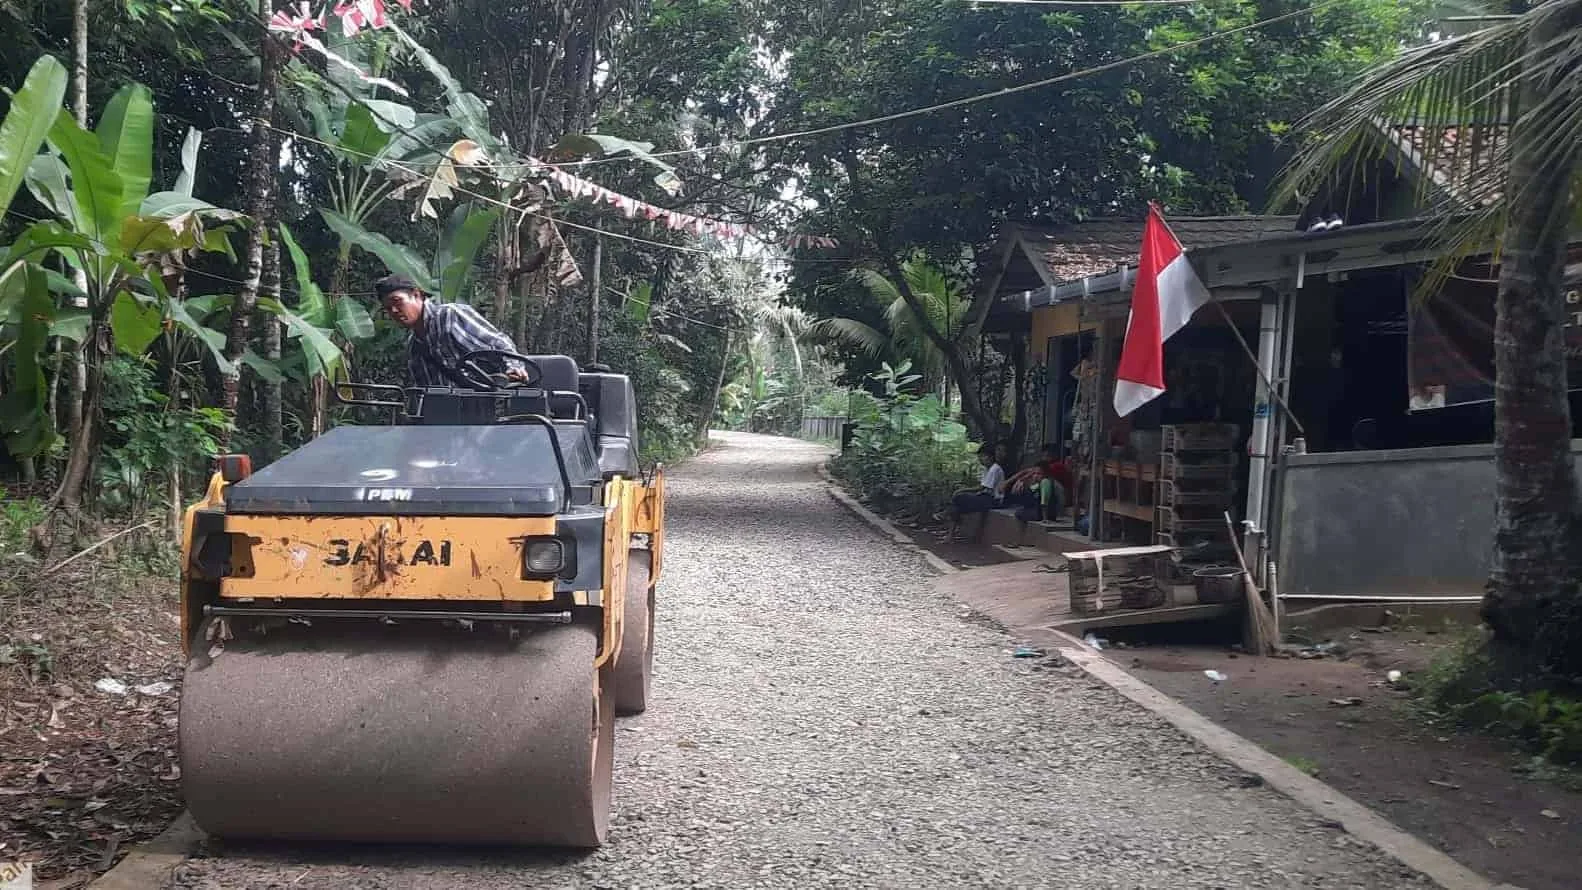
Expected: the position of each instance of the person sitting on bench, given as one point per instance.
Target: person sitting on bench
(1045, 485)
(986, 497)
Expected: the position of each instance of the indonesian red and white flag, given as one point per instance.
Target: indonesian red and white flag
(1167, 292)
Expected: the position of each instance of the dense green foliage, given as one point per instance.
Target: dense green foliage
(1196, 129)
(906, 456)
(747, 335)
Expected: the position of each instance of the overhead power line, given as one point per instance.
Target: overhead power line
(964, 101)
(1005, 91)
(818, 131)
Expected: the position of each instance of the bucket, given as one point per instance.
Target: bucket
(1218, 584)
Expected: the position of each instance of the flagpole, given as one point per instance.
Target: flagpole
(1096, 493)
(1261, 442)
(1262, 376)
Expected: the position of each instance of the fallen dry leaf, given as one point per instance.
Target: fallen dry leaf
(80, 791)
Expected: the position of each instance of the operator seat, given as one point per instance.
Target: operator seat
(560, 382)
(612, 407)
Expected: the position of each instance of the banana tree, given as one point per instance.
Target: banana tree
(26, 310)
(448, 273)
(494, 171)
(110, 227)
(316, 323)
(366, 136)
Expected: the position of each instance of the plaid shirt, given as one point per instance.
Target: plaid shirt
(450, 331)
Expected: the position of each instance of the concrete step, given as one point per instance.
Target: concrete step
(1004, 528)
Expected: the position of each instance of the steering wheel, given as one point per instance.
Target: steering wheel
(468, 368)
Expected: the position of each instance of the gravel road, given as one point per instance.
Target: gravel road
(822, 717)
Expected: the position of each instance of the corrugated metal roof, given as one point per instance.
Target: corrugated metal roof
(1097, 246)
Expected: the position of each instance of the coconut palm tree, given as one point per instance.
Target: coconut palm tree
(945, 302)
(1524, 71)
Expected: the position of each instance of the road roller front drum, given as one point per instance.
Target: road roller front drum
(409, 733)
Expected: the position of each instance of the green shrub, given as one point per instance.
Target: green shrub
(146, 435)
(1458, 686)
(16, 517)
(907, 456)
(832, 403)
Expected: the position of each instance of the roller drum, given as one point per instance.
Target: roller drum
(400, 734)
(634, 665)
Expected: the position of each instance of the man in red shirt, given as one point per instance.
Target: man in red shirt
(1050, 479)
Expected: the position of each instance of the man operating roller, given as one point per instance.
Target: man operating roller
(440, 334)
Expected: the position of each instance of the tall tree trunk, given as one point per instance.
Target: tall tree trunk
(971, 405)
(273, 421)
(544, 334)
(713, 404)
(79, 61)
(263, 157)
(595, 297)
(1018, 439)
(504, 269)
(84, 447)
(72, 370)
(1533, 603)
(173, 469)
(526, 285)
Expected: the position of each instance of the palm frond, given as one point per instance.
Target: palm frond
(1552, 128)
(851, 332)
(790, 321)
(1463, 84)
(1460, 96)
(884, 290)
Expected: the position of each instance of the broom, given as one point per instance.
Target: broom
(1264, 633)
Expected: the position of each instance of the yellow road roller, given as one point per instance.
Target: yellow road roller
(421, 629)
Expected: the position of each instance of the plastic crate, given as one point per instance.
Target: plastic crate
(1171, 466)
(1173, 494)
(1189, 519)
(1199, 437)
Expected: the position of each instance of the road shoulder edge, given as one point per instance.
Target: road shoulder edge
(1323, 800)
(884, 525)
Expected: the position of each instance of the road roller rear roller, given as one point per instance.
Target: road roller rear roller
(422, 630)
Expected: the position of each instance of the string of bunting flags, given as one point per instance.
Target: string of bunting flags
(358, 15)
(632, 208)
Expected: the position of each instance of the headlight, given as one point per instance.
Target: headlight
(544, 557)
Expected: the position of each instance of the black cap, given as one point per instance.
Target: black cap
(391, 283)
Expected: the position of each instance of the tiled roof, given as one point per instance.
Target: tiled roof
(1468, 161)
(1097, 246)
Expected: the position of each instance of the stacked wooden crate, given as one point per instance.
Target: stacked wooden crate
(1197, 482)
(1116, 579)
